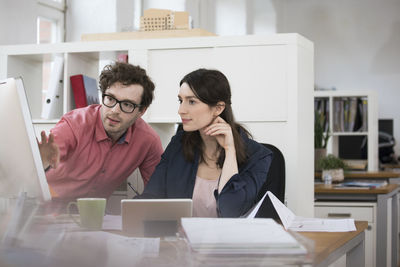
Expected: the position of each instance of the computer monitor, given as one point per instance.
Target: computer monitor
(21, 168)
(353, 147)
(386, 126)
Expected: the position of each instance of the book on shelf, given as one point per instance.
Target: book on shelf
(123, 57)
(346, 114)
(321, 106)
(364, 113)
(85, 90)
(358, 119)
(338, 115)
(52, 106)
(350, 114)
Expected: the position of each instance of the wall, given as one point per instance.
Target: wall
(233, 20)
(84, 16)
(17, 22)
(356, 41)
(108, 15)
(357, 46)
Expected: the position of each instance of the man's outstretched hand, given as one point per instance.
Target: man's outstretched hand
(49, 151)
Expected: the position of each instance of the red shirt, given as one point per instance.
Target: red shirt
(90, 165)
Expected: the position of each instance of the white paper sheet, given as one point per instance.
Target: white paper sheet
(112, 222)
(253, 211)
(301, 224)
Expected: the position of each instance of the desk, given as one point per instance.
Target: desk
(331, 246)
(68, 245)
(388, 166)
(383, 197)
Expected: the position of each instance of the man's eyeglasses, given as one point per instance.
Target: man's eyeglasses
(126, 106)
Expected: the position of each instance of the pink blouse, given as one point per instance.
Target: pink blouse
(204, 203)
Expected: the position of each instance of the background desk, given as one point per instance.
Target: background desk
(378, 206)
(390, 175)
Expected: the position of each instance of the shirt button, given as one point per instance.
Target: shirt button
(103, 171)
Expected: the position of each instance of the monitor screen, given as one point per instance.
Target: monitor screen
(353, 147)
(21, 168)
(386, 125)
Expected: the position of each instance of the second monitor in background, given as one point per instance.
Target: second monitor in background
(356, 147)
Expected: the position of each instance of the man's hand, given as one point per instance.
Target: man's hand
(49, 151)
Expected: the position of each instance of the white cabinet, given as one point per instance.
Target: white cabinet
(361, 211)
(271, 76)
(339, 115)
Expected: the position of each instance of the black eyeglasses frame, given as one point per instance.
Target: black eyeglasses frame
(120, 103)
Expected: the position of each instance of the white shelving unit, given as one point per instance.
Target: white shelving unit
(272, 80)
(372, 128)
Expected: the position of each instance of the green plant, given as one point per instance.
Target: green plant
(331, 162)
(320, 137)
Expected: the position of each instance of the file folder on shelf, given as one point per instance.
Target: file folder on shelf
(52, 106)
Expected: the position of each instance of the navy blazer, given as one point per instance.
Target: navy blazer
(174, 177)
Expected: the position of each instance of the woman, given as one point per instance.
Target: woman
(213, 160)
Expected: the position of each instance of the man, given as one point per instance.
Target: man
(92, 150)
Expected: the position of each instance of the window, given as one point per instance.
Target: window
(46, 31)
(50, 29)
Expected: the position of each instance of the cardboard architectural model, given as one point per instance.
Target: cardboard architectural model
(164, 19)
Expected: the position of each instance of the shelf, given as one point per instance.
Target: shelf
(341, 93)
(345, 110)
(348, 133)
(145, 35)
(43, 121)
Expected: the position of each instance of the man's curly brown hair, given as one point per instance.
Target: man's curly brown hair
(128, 74)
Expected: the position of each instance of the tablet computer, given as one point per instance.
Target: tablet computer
(154, 217)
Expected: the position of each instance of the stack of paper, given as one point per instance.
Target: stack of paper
(239, 236)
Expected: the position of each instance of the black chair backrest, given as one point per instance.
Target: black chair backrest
(275, 183)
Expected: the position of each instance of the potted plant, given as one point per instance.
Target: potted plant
(320, 138)
(332, 167)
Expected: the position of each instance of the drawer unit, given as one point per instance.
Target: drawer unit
(356, 212)
(360, 211)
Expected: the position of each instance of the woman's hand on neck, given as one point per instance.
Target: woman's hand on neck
(222, 132)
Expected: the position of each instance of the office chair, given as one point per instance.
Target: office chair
(275, 183)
